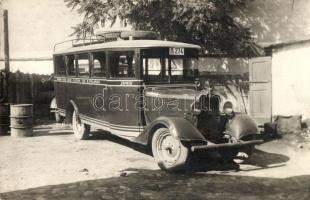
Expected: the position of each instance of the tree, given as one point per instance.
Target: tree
(208, 23)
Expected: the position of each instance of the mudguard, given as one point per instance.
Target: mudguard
(241, 125)
(179, 127)
(53, 104)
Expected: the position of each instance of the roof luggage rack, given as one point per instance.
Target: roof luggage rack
(109, 36)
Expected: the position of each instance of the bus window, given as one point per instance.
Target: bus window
(70, 65)
(83, 64)
(155, 69)
(60, 65)
(122, 64)
(177, 67)
(99, 66)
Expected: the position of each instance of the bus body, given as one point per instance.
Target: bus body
(147, 91)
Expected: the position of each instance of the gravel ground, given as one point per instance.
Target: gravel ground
(54, 165)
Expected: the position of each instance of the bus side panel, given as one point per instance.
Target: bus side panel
(123, 106)
(90, 100)
(81, 95)
(98, 105)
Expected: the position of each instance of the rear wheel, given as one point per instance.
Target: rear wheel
(81, 130)
(168, 151)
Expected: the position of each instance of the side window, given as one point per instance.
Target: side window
(176, 67)
(83, 64)
(70, 62)
(60, 66)
(122, 64)
(99, 64)
(154, 69)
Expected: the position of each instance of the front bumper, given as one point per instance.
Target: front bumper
(213, 146)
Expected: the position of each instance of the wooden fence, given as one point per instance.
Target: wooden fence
(20, 88)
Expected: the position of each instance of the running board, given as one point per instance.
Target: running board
(226, 145)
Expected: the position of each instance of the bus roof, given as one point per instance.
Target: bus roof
(127, 44)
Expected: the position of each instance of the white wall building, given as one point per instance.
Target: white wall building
(280, 82)
(291, 79)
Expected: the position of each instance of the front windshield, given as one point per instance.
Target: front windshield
(170, 69)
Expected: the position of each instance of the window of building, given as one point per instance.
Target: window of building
(83, 64)
(60, 65)
(122, 64)
(70, 62)
(99, 65)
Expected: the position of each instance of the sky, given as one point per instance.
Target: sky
(36, 25)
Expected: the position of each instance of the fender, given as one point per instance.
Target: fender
(75, 108)
(53, 104)
(70, 108)
(241, 125)
(179, 127)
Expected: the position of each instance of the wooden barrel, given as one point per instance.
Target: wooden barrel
(4, 119)
(289, 124)
(21, 120)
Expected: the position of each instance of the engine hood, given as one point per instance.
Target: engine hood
(172, 93)
(180, 101)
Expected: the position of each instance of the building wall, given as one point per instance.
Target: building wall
(291, 80)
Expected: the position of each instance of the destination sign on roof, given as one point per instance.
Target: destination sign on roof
(176, 51)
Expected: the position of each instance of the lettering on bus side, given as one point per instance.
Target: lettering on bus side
(61, 79)
(93, 81)
(126, 83)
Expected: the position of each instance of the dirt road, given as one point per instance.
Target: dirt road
(53, 164)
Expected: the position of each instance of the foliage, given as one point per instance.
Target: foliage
(208, 23)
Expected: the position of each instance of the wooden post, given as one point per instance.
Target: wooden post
(6, 41)
(32, 91)
(17, 90)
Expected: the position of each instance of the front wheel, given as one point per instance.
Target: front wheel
(168, 151)
(81, 131)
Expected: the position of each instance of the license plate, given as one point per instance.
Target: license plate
(176, 51)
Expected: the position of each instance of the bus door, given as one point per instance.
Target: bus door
(79, 89)
(99, 89)
(124, 93)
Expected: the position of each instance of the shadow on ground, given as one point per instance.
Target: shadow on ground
(101, 135)
(209, 161)
(263, 159)
(195, 184)
(46, 132)
(147, 184)
(43, 132)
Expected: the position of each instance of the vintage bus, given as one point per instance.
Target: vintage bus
(148, 91)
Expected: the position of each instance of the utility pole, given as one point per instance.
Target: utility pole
(6, 41)
(5, 75)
